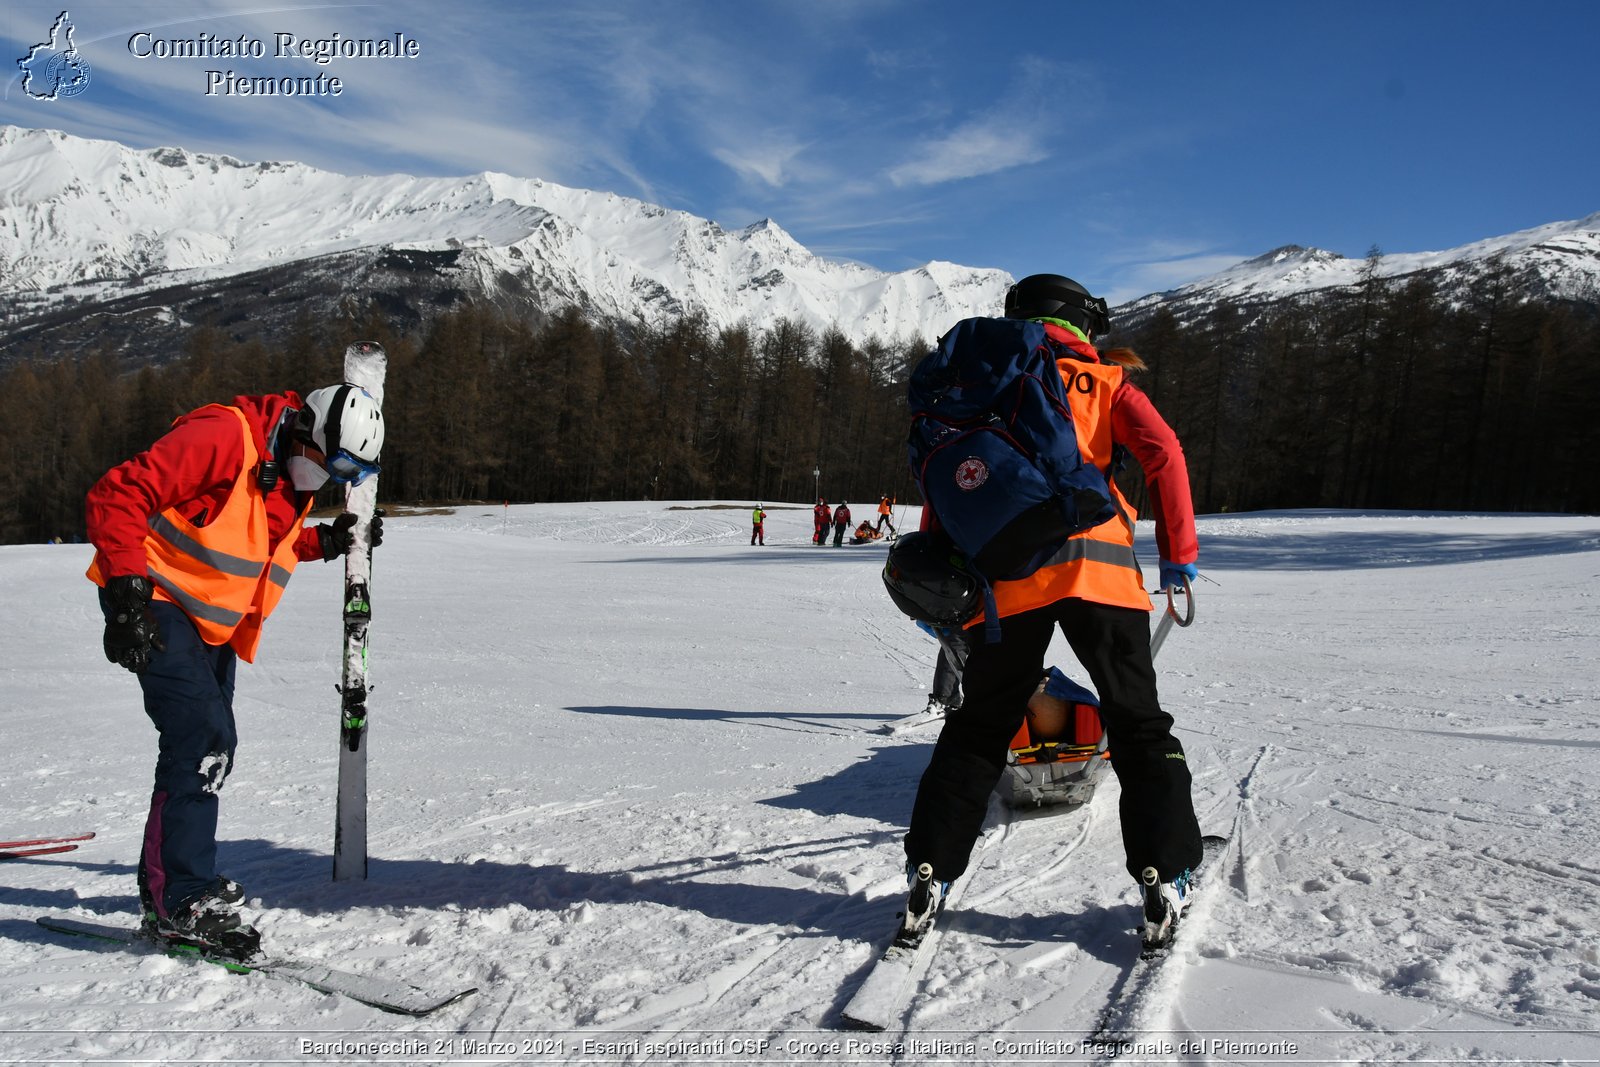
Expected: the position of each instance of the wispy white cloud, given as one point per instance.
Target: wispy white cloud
(769, 163)
(1015, 130)
(983, 146)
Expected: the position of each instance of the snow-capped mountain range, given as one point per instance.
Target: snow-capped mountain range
(95, 219)
(105, 244)
(1557, 261)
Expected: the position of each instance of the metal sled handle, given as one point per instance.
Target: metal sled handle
(1171, 617)
(1172, 610)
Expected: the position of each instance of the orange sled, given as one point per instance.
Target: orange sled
(1059, 755)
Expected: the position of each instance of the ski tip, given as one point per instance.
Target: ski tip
(423, 1010)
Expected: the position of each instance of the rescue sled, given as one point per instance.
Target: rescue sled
(1060, 754)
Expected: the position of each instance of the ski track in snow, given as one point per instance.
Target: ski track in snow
(628, 778)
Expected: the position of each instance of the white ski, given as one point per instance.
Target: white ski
(365, 364)
(385, 994)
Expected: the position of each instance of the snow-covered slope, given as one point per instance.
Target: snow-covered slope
(1560, 260)
(629, 777)
(95, 219)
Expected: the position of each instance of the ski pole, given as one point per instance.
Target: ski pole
(1171, 617)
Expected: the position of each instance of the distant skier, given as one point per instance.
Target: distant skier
(841, 519)
(1095, 594)
(885, 514)
(865, 533)
(194, 540)
(822, 518)
(758, 526)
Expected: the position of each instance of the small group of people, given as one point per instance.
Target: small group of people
(838, 520)
(825, 520)
(197, 536)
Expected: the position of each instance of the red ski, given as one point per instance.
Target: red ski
(40, 846)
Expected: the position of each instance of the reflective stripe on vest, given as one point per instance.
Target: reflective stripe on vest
(1098, 564)
(168, 531)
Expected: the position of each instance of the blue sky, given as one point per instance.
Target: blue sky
(1132, 146)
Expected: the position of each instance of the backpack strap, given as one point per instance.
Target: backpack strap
(991, 613)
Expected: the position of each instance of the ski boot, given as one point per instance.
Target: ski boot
(229, 891)
(1164, 903)
(225, 889)
(210, 922)
(923, 904)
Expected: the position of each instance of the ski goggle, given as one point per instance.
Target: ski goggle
(346, 469)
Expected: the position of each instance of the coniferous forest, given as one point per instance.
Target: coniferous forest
(1387, 395)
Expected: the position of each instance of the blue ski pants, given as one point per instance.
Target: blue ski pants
(188, 695)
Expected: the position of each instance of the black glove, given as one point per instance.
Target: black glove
(336, 538)
(131, 630)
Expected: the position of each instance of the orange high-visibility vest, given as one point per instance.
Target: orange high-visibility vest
(224, 575)
(1097, 564)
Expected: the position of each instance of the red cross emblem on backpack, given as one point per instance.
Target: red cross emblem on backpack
(971, 473)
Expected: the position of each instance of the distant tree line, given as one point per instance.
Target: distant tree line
(1388, 395)
(484, 407)
(1391, 394)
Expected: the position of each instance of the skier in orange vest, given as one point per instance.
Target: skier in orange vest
(1094, 592)
(885, 512)
(195, 539)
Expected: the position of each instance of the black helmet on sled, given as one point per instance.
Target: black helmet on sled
(928, 579)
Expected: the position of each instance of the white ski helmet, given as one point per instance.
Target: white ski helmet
(345, 424)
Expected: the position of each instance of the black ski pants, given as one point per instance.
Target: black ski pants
(1159, 828)
(947, 678)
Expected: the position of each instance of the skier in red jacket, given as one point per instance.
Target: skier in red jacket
(195, 539)
(822, 516)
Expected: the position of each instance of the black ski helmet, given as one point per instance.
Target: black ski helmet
(1055, 296)
(928, 579)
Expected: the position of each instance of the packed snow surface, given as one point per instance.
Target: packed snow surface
(631, 777)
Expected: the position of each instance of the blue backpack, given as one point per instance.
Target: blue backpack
(994, 451)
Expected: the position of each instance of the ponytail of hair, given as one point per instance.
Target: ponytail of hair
(1124, 357)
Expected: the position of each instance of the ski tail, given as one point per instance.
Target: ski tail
(385, 994)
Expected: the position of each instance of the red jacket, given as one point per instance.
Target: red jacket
(1136, 424)
(192, 467)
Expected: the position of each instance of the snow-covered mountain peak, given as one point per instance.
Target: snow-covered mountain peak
(1558, 259)
(95, 221)
(104, 218)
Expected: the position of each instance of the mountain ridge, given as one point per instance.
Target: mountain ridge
(81, 219)
(137, 241)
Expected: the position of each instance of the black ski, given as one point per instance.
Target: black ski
(389, 995)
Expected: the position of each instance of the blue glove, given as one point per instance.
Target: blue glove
(1173, 574)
